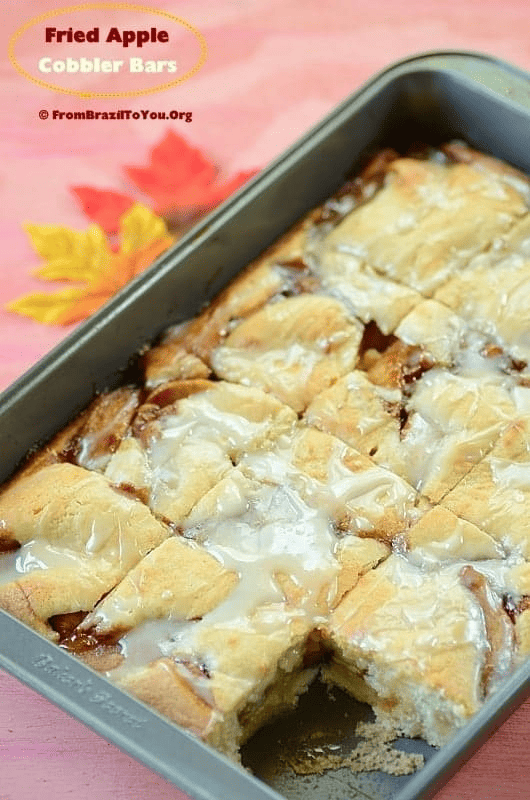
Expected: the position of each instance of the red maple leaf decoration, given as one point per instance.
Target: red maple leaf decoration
(181, 180)
(103, 206)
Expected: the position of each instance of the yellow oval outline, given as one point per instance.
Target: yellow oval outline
(87, 7)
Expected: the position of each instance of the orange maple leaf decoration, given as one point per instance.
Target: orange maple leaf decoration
(181, 180)
(122, 269)
(86, 259)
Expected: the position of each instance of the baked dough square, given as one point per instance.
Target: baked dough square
(428, 221)
(495, 495)
(420, 645)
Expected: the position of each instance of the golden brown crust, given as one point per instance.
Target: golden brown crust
(356, 410)
(42, 594)
(60, 448)
(356, 557)
(106, 423)
(494, 301)
(161, 686)
(247, 293)
(359, 496)
(441, 535)
(170, 361)
(14, 600)
(169, 393)
(428, 220)
(460, 152)
(187, 447)
(164, 400)
(176, 579)
(438, 330)
(293, 348)
(85, 533)
(495, 494)
(403, 651)
(63, 504)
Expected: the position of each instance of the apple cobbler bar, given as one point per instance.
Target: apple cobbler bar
(326, 471)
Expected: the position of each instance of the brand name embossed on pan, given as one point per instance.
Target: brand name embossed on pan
(85, 687)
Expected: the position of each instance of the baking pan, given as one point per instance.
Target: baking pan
(429, 98)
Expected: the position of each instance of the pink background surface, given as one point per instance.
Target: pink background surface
(274, 69)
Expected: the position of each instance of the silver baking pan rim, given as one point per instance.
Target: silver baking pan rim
(449, 93)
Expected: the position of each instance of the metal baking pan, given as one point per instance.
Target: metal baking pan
(429, 98)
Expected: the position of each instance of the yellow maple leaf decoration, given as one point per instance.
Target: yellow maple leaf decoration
(86, 258)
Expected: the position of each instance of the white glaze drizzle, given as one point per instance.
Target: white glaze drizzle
(433, 601)
(273, 532)
(36, 554)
